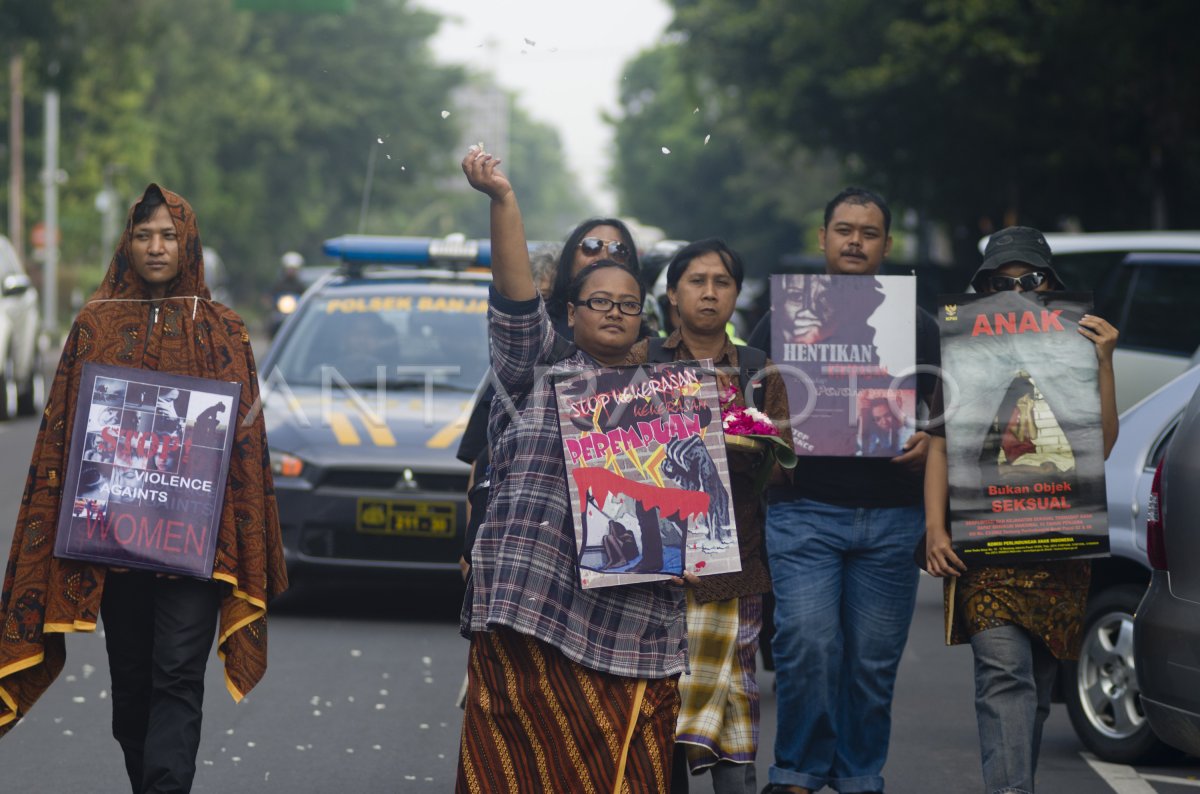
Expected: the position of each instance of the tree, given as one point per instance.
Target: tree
(978, 112)
(688, 162)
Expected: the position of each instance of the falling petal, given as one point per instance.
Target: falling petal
(531, 42)
(388, 156)
(694, 112)
(706, 137)
(524, 52)
(445, 114)
(665, 150)
(379, 140)
(402, 168)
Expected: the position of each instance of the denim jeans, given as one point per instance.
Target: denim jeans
(845, 587)
(1014, 674)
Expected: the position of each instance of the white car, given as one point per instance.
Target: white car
(22, 386)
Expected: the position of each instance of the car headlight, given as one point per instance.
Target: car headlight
(284, 464)
(286, 304)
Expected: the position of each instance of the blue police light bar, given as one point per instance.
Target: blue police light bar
(387, 250)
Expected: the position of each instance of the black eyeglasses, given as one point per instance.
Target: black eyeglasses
(1029, 282)
(631, 308)
(594, 245)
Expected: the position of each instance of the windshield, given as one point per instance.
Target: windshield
(402, 341)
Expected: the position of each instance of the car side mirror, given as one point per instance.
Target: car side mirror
(15, 284)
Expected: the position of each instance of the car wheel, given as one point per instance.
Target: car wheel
(1101, 689)
(8, 392)
(32, 396)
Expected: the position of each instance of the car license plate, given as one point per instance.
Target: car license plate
(396, 517)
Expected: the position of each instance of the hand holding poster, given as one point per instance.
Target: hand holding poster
(840, 342)
(647, 473)
(147, 468)
(1024, 441)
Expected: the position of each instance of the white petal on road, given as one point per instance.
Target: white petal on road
(316, 712)
(376, 747)
(208, 763)
(355, 652)
(229, 731)
(424, 726)
(350, 750)
(70, 678)
(104, 694)
(387, 675)
(316, 700)
(249, 744)
(410, 777)
(380, 706)
(425, 660)
(350, 698)
(300, 747)
(78, 699)
(383, 692)
(236, 758)
(68, 732)
(328, 704)
(88, 670)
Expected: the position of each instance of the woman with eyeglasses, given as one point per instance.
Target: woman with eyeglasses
(1019, 619)
(717, 729)
(568, 689)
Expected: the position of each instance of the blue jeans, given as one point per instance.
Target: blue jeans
(1014, 674)
(845, 587)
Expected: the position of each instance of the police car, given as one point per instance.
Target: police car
(366, 392)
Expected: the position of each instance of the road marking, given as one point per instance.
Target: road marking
(1174, 781)
(343, 429)
(1120, 778)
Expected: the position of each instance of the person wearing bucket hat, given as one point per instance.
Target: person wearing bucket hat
(1021, 245)
(1020, 620)
(153, 311)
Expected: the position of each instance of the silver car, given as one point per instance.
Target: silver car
(21, 381)
(1102, 690)
(1166, 640)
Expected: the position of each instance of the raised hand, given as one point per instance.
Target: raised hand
(483, 173)
(1101, 333)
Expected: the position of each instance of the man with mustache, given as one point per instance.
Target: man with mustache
(840, 540)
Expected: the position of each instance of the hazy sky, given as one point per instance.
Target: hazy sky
(562, 57)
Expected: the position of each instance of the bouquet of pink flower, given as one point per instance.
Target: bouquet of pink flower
(747, 428)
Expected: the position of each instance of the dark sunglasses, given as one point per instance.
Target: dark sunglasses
(1029, 282)
(594, 245)
(631, 308)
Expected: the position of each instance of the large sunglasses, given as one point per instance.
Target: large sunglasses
(594, 245)
(1029, 282)
(630, 308)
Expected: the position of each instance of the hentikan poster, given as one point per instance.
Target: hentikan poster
(1023, 434)
(147, 468)
(647, 473)
(846, 348)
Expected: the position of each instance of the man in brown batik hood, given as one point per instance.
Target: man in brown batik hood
(153, 311)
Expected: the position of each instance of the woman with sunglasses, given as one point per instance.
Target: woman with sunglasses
(718, 721)
(1020, 619)
(568, 689)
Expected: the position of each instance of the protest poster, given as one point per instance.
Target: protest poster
(647, 473)
(1024, 443)
(846, 348)
(146, 471)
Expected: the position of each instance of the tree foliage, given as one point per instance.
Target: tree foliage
(270, 124)
(689, 162)
(979, 112)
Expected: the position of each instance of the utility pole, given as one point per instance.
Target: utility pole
(16, 151)
(50, 179)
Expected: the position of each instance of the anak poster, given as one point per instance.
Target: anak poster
(146, 473)
(1023, 436)
(647, 473)
(840, 342)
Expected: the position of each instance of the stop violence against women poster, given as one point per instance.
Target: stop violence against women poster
(846, 348)
(1023, 434)
(647, 473)
(146, 472)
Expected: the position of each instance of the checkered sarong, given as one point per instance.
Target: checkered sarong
(718, 716)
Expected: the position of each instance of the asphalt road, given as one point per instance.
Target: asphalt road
(360, 697)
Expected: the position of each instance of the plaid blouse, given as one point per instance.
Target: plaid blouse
(524, 573)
